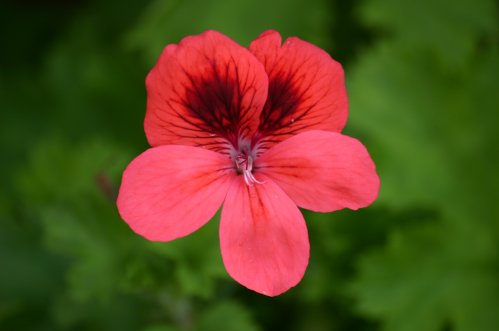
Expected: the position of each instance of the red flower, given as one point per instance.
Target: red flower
(256, 130)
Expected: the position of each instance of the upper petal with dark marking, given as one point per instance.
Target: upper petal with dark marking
(205, 91)
(306, 88)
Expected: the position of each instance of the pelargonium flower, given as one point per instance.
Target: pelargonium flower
(256, 130)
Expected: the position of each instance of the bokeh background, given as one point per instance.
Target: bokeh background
(423, 83)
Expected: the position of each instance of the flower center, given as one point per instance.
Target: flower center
(244, 159)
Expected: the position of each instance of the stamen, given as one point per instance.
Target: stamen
(244, 164)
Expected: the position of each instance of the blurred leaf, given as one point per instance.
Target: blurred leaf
(449, 30)
(432, 132)
(71, 190)
(159, 327)
(428, 130)
(339, 239)
(165, 21)
(423, 280)
(198, 260)
(228, 316)
(28, 274)
(115, 314)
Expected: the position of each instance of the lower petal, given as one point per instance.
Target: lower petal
(170, 191)
(263, 237)
(322, 171)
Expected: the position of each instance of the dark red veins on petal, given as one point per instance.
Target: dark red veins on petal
(281, 115)
(306, 89)
(207, 91)
(214, 104)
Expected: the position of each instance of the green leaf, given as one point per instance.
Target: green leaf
(424, 280)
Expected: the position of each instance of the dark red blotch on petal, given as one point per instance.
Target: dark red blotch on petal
(306, 89)
(280, 110)
(206, 91)
(214, 105)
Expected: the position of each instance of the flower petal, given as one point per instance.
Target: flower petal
(322, 171)
(204, 91)
(306, 88)
(263, 237)
(170, 191)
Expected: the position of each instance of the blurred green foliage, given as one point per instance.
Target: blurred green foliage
(423, 83)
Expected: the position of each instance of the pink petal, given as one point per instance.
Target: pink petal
(306, 88)
(204, 91)
(170, 191)
(322, 171)
(263, 237)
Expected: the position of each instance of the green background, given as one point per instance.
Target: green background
(423, 84)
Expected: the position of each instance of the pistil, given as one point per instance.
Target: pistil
(244, 164)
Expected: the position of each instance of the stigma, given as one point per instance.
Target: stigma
(244, 165)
